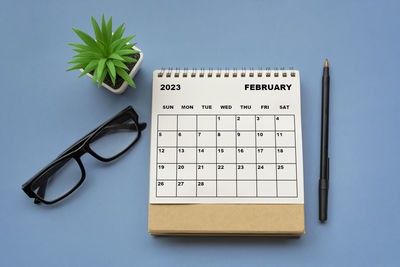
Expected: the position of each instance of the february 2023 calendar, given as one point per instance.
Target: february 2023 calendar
(226, 137)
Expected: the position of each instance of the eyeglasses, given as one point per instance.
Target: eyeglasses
(66, 173)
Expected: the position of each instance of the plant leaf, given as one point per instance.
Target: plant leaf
(129, 59)
(91, 66)
(102, 76)
(119, 64)
(88, 54)
(133, 44)
(80, 60)
(109, 30)
(95, 76)
(118, 44)
(111, 68)
(82, 46)
(85, 37)
(115, 44)
(125, 52)
(113, 80)
(116, 56)
(100, 66)
(129, 46)
(124, 41)
(89, 40)
(79, 50)
(103, 27)
(86, 49)
(77, 66)
(101, 42)
(96, 29)
(118, 33)
(125, 76)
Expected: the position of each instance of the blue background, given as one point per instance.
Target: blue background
(43, 109)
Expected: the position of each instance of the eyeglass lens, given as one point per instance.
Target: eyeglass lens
(58, 180)
(114, 138)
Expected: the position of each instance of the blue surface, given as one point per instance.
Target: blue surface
(43, 109)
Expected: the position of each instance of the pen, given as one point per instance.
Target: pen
(324, 163)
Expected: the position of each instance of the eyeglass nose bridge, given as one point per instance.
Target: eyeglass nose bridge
(82, 150)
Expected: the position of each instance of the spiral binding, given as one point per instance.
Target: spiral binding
(226, 73)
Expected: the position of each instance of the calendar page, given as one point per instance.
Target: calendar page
(226, 137)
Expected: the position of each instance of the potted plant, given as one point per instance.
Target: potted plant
(107, 58)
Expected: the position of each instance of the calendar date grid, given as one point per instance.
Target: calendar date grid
(231, 156)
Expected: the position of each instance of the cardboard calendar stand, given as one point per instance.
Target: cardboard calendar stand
(226, 219)
(226, 166)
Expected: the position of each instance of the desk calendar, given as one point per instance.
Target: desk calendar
(226, 137)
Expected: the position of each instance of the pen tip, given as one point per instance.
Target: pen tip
(326, 65)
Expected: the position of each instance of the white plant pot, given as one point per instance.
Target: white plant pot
(132, 74)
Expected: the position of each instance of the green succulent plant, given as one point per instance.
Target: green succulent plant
(106, 54)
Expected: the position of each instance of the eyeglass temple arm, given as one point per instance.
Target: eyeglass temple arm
(108, 130)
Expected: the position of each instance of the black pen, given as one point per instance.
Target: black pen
(324, 164)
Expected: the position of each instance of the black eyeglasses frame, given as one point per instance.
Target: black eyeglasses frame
(76, 151)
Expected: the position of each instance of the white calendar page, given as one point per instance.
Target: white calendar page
(226, 137)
